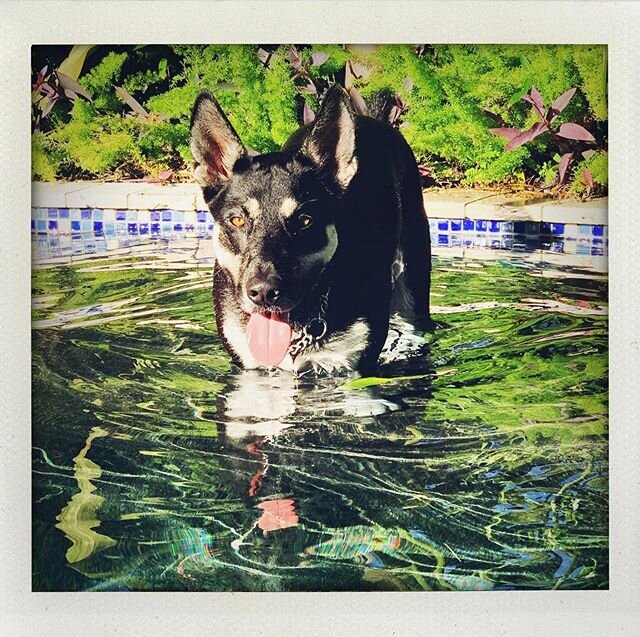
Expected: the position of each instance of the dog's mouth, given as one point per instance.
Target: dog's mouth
(269, 336)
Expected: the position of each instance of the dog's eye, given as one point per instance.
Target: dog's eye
(237, 221)
(305, 221)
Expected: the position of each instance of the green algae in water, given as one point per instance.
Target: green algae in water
(480, 464)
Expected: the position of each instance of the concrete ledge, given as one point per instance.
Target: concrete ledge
(439, 204)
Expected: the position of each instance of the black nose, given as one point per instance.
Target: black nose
(264, 290)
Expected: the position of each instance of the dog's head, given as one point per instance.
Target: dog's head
(275, 214)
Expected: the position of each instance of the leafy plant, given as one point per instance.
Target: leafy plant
(544, 119)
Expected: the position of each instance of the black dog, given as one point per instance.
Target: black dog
(314, 245)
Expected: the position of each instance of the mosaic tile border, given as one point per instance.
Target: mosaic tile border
(65, 231)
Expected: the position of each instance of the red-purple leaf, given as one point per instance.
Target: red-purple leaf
(165, 175)
(359, 104)
(70, 94)
(47, 90)
(309, 89)
(537, 129)
(307, 114)
(507, 133)
(565, 160)
(319, 57)
(47, 107)
(560, 103)
(68, 83)
(587, 176)
(128, 99)
(575, 131)
(536, 99)
(294, 57)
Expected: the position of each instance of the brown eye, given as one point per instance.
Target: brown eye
(237, 221)
(305, 221)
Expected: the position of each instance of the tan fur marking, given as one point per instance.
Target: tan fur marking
(252, 206)
(288, 206)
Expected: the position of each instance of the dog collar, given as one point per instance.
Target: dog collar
(313, 331)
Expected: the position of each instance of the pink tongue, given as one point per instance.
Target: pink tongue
(269, 337)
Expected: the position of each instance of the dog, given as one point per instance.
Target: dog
(314, 245)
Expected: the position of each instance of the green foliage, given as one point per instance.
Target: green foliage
(451, 95)
(598, 166)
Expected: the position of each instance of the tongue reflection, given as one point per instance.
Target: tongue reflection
(269, 337)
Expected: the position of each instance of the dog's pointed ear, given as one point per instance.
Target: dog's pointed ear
(331, 143)
(214, 145)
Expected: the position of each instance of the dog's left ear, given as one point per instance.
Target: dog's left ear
(214, 143)
(331, 144)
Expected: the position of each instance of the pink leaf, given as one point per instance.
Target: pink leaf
(68, 83)
(565, 160)
(536, 99)
(537, 129)
(309, 89)
(307, 114)
(165, 175)
(560, 103)
(294, 57)
(508, 133)
(277, 514)
(575, 131)
(358, 102)
(319, 57)
(588, 153)
(587, 176)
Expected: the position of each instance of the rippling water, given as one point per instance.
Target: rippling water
(477, 459)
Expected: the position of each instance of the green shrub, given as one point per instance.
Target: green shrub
(451, 95)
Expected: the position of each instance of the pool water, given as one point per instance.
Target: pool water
(476, 459)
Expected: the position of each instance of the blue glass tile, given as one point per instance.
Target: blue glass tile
(132, 228)
(506, 226)
(177, 227)
(494, 226)
(132, 215)
(166, 215)
(597, 231)
(53, 224)
(456, 241)
(519, 227)
(495, 243)
(557, 246)
(443, 239)
(86, 225)
(33, 224)
(583, 229)
(41, 213)
(456, 225)
(53, 213)
(583, 248)
(506, 243)
(121, 227)
(144, 228)
(86, 213)
(109, 228)
(596, 242)
(597, 251)
(97, 227)
(481, 225)
(121, 215)
(532, 227)
(75, 225)
(189, 227)
(443, 224)
(41, 224)
(468, 243)
(166, 227)
(178, 215)
(467, 224)
(545, 228)
(64, 213)
(98, 214)
(155, 215)
(76, 237)
(202, 217)
(210, 226)
(155, 228)
(75, 213)
(557, 228)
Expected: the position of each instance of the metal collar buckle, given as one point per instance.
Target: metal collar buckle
(313, 332)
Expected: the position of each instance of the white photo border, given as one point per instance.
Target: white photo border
(307, 21)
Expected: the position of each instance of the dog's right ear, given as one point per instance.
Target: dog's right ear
(214, 145)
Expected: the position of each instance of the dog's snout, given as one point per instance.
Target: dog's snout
(264, 290)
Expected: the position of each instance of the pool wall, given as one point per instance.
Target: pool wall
(87, 217)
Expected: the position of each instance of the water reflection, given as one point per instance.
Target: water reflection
(476, 459)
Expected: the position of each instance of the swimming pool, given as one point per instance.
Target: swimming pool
(477, 459)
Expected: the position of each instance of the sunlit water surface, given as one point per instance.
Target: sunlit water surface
(477, 459)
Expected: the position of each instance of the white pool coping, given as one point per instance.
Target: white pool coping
(456, 203)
